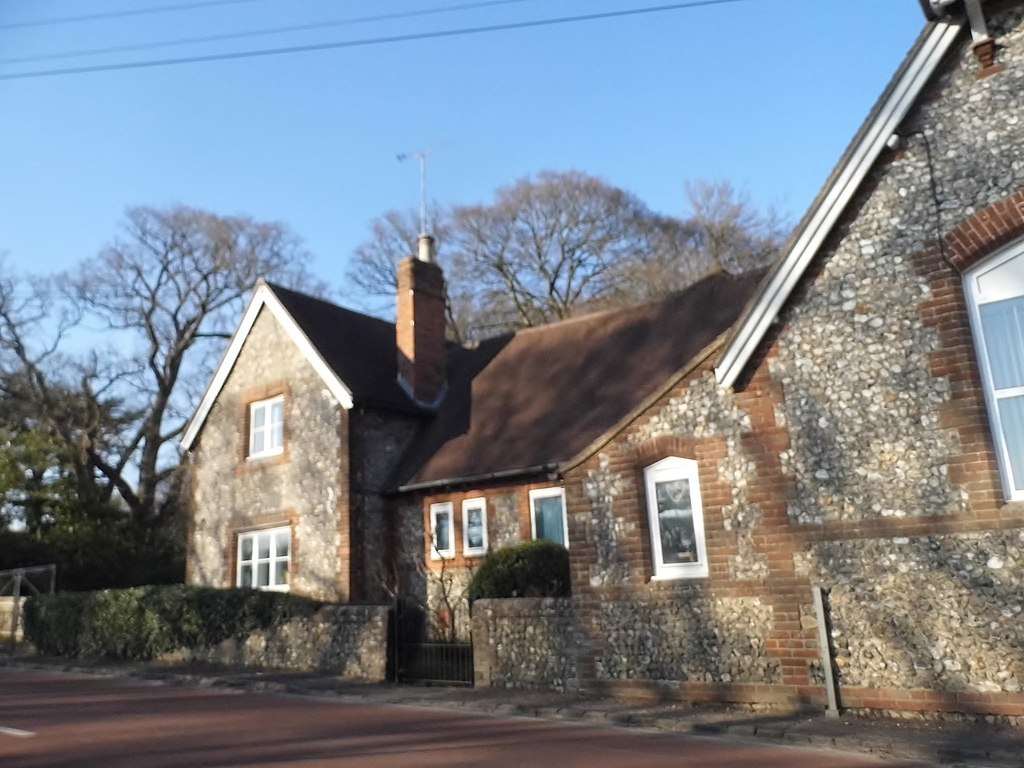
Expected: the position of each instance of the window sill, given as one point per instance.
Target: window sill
(262, 456)
(679, 576)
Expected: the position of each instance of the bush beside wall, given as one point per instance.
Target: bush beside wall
(532, 569)
(143, 623)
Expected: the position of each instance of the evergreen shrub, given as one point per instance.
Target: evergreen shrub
(531, 569)
(142, 623)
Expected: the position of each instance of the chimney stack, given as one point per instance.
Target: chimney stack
(420, 329)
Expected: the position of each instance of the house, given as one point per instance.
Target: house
(323, 427)
(852, 424)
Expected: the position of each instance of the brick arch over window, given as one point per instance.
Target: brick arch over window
(986, 231)
(657, 448)
(980, 465)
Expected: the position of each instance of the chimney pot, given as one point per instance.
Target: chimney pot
(425, 249)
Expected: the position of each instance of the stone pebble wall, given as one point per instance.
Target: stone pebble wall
(702, 411)
(345, 640)
(940, 612)
(686, 637)
(231, 493)
(863, 407)
(525, 643)
(377, 441)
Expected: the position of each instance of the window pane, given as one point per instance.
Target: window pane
(257, 442)
(259, 416)
(1011, 414)
(263, 575)
(675, 522)
(281, 572)
(245, 577)
(283, 540)
(475, 527)
(277, 412)
(1002, 325)
(246, 548)
(442, 532)
(264, 545)
(548, 519)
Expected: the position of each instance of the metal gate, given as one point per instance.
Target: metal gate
(415, 659)
(15, 585)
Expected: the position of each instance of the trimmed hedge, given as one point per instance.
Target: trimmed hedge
(531, 569)
(142, 623)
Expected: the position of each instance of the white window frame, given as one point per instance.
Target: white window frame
(273, 432)
(272, 561)
(436, 510)
(547, 493)
(468, 505)
(675, 468)
(979, 291)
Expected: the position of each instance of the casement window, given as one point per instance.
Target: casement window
(264, 558)
(547, 515)
(676, 519)
(474, 527)
(994, 291)
(442, 533)
(266, 427)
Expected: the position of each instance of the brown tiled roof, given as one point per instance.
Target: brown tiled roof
(360, 349)
(541, 396)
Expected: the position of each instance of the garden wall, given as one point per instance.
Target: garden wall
(350, 641)
(525, 643)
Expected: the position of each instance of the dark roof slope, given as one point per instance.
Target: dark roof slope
(360, 349)
(541, 396)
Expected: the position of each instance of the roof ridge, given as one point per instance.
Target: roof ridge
(640, 305)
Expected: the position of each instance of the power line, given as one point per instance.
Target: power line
(123, 13)
(256, 32)
(462, 32)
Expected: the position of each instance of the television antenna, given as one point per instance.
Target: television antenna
(421, 155)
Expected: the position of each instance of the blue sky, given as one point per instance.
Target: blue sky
(763, 93)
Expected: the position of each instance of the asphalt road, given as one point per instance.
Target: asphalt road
(61, 720)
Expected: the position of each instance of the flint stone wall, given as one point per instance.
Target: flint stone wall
(863, 406)
(702, 411)
(377, 441)
(525, 643)
(301, 486)
(686, 637)
(349, 641)
(941, 612)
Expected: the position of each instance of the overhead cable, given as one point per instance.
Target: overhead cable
(255, 33)
(389, 39)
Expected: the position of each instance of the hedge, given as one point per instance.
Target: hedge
(142, 623)
(531, 569)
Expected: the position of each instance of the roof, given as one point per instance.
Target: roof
(354, 354)
(533, 400)
(360, 350)
(857, 161)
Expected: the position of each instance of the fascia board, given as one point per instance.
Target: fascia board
(262, 297)
(832, 203)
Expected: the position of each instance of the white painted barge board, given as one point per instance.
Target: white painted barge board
(17, 732)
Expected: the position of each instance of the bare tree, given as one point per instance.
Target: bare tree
(559, 244)
(729, 230)
(548, 245)
(167, 292)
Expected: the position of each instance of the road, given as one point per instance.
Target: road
(62, 720)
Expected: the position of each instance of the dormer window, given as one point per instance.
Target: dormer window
(266, 427)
